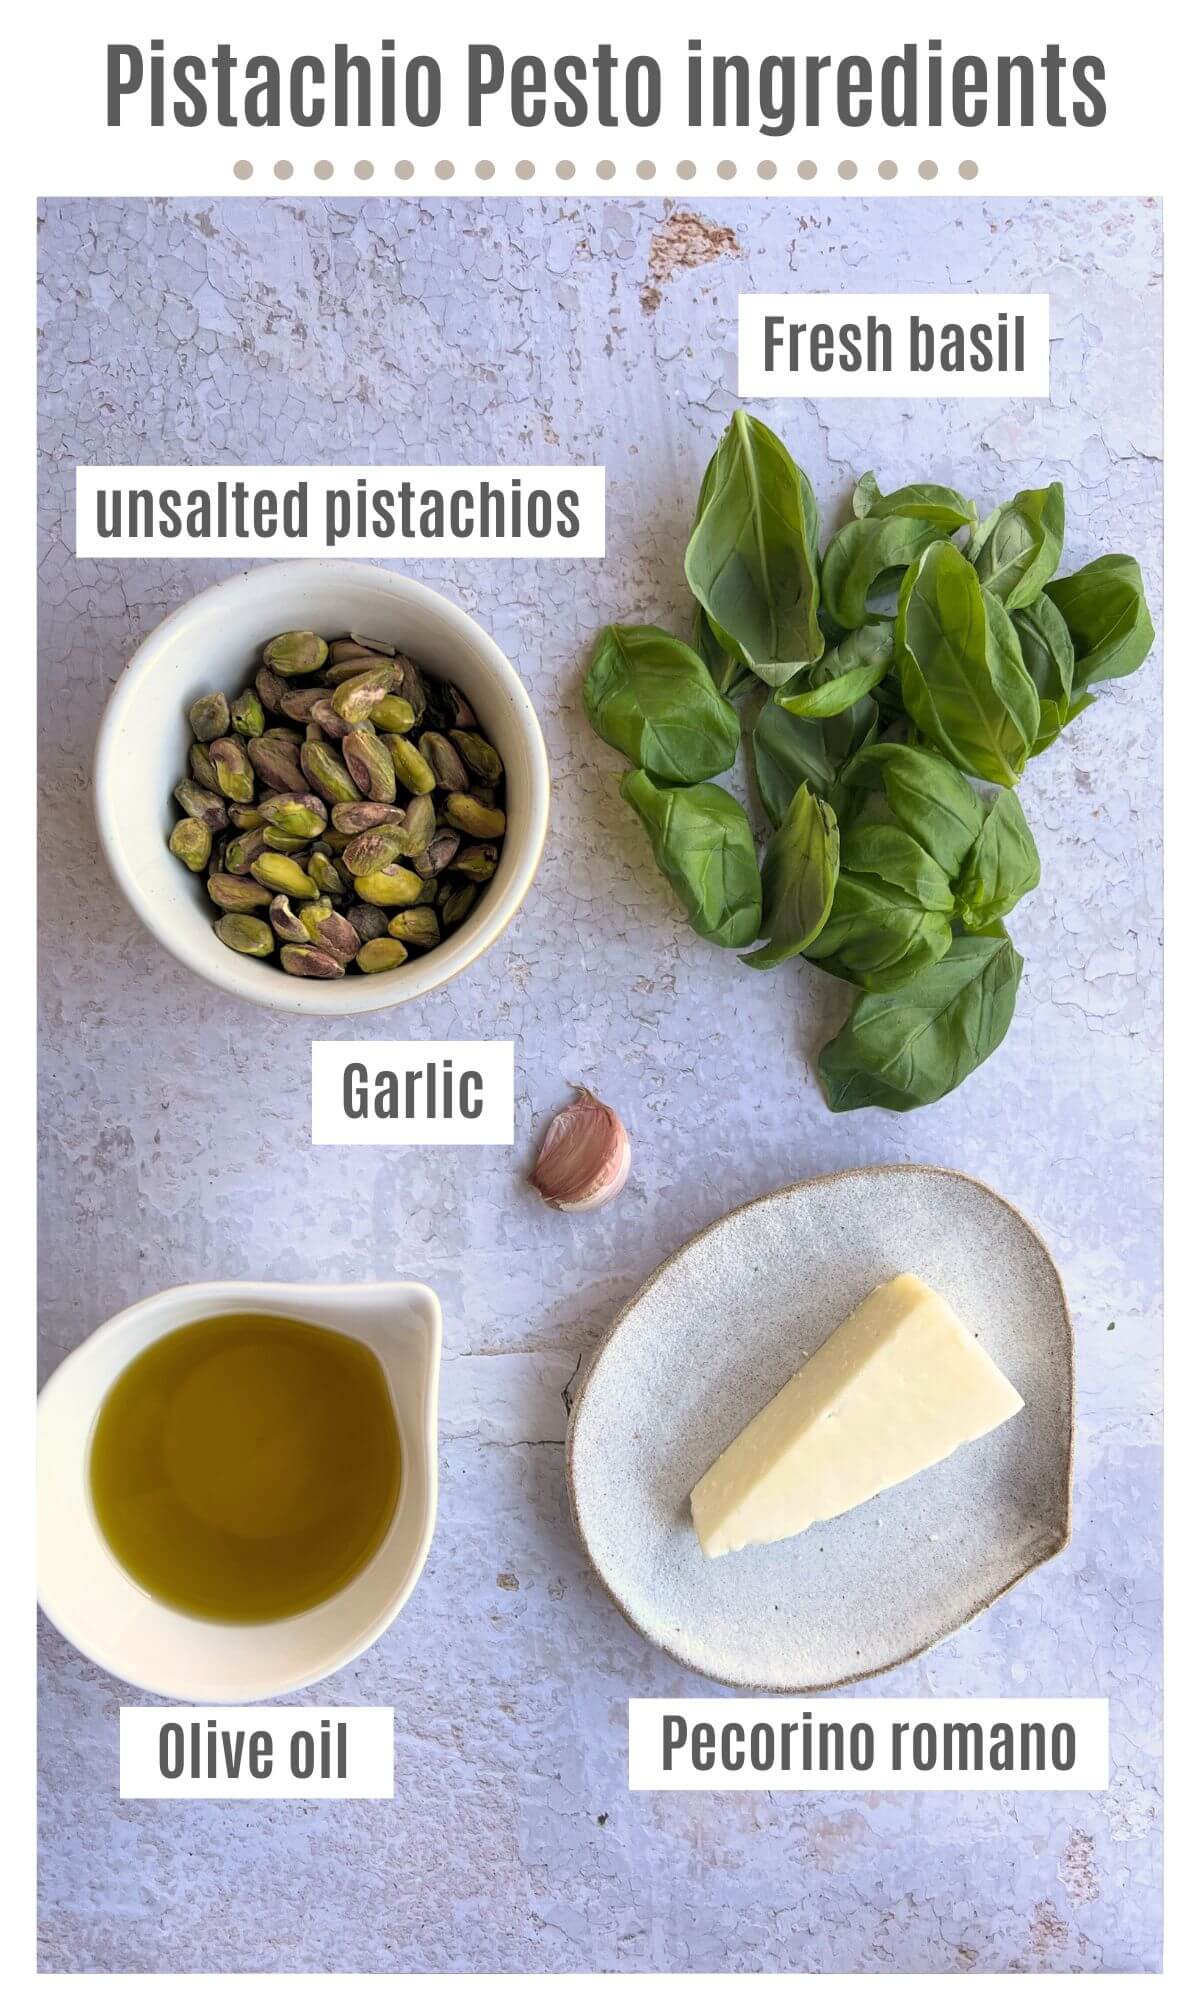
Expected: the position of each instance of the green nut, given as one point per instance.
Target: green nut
(439, 853)
(390, 887)
(327, 719)
(420, 823)
(299, 703)
(247, 714)
(325, 874)
(234, 892)
(369, 764)
(327, 774)
(246, 848)
(477, 863)
(354, 698)
(415, 773)
(478, 755)
(284, 843)
(283, 877)
(382, 954)
(376, 848)
(191, 843)
(235, 773)
(199, 803)
(367, 920)
(246, 934)
(245, 818)
(394, 713)
(209, 717)
(306, 962)
(409, 683)
(202, 768)
(275, 763)
(366, 813)
(270, 690)
(329, 931)
(457, 903)
(470, 816)
(298, 813)
(285, 923)
(294, 653)
(439, 752)
(418, 926)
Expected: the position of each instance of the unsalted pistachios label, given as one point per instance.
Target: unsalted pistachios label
(412, 1093)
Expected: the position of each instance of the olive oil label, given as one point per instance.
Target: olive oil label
(412, 1093)
(257, 1753)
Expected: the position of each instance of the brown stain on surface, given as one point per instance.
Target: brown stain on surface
(1077, 1870)
(682, 242)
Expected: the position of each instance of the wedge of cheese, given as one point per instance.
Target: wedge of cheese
(898, 1386)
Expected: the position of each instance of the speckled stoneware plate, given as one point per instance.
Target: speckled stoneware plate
(710, 1339)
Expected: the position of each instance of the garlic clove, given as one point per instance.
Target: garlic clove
(584, 1157)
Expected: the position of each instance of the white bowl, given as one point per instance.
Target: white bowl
(214, 642)
(95, 1603)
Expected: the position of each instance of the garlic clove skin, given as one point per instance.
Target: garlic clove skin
(584, 1158)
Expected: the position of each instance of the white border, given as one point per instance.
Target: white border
(50, 150)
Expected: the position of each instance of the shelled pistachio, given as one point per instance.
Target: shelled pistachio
(340, 809)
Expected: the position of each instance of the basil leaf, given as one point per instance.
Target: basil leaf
(703, 844)
(941, 506)
(862, 556)
(751, 562)
(841, 677)
(961, 671)
(1001, 867)
(927, 796)
(790, 750)
(882, 849)
(912, 1048)
(1049, 660)
(877, 936)
(1018, 548)
(800, 868)
(1104, 605)
(651, 697)
(729, 676)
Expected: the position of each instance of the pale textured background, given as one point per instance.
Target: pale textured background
(175, 1129)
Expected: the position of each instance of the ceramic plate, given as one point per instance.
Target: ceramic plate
(718, 1330)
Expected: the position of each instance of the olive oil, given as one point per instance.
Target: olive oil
(246, 1468)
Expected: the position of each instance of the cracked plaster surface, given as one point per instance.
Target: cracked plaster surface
(175, 1122)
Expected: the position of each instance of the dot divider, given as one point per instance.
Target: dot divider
(645, 170)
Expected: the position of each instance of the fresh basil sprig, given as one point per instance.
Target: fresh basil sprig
(926, 796)
(650, 696)
(1017, 549)
(1104, 607)
(791, 750)
(1001, 866)
(903, 1050)
(843, 674)
(799, 879)
(961, 672)
(751, 563)
(928, 651)
(940, 506)
(703, 844)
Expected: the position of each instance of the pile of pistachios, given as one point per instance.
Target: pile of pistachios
(345, 810)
